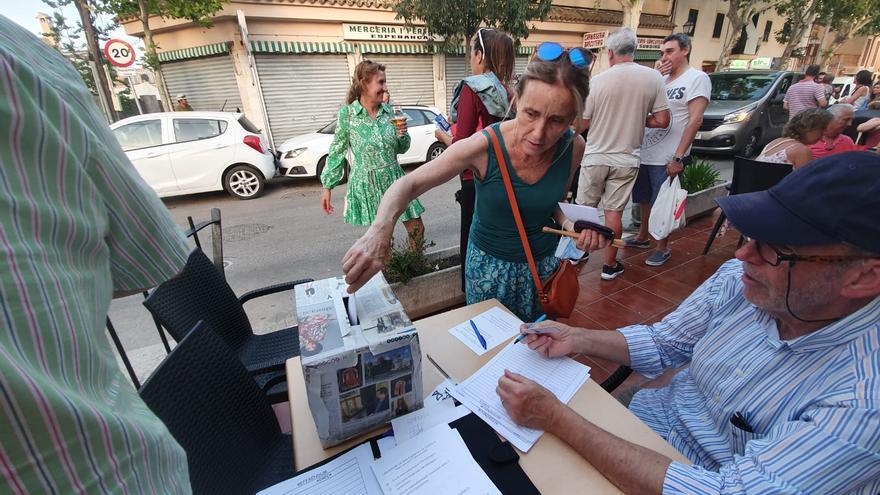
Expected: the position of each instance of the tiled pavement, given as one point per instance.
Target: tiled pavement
(645, 294)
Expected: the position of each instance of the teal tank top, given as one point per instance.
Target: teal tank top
(494, 229)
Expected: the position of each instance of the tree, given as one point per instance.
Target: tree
(460, 24)
(739, 14)
(197, 11)
(632, 11)
(848, 18)
(800, 15)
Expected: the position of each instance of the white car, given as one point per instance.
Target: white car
(192, 152)
(305, 155)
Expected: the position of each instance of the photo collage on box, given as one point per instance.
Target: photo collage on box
(378, 385)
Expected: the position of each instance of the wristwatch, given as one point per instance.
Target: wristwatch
(676, 159)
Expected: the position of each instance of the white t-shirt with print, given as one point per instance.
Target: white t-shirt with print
(659, 145)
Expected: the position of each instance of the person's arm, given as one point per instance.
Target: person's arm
(443, 137)
(696, 109)
(588, 240)
(468, 114)
(870, 125)
(659, 120)
(822, 102)
(403, 140)
(368, 254)
(861, 90)
(660, 115)
(799, 155)
(333, 169)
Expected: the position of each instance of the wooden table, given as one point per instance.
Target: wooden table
(551, 464)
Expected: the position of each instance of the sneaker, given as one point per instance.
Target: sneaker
(611, 272)
(635, 243)
(657, 258)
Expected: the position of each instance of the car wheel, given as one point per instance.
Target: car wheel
(244, 182)
(323, 161)
(434, 151)
(750, 148)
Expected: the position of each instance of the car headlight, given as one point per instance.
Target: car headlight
(736, 117)
(294, 153)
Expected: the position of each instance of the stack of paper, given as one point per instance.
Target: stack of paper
(562, 376)
(495, 325)
(349, 473)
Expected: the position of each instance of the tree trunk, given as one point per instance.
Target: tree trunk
(800, 23)
(101, 82)
(151, 55)
(632, 12)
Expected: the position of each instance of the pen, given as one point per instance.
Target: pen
(738, 420)
(522, 336)
(479, 335)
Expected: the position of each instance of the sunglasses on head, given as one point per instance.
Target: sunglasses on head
(480, 37)
(550, 52)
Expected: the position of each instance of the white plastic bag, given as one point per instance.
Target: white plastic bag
(667, 214)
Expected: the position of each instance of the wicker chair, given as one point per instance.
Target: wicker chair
(215, 411)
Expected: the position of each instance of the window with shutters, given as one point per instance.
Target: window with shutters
(719, 25)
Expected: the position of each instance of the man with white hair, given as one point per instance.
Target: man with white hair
(833, 140)
(623, 100)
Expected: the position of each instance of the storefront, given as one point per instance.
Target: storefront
(205, 74)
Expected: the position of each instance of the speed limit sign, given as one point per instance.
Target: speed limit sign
(119, 53)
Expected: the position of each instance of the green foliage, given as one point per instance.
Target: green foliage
(408, 261)
(459, 22)
(198, 11)
(699, 175)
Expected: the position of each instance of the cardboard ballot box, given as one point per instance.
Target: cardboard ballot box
(360, 356)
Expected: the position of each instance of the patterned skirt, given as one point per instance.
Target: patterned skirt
(366, 186)
(510, 282)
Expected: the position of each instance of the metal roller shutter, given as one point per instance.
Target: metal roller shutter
(455, 72)
(208, 83)
(410, 77)
(519, 65)
(302, 92)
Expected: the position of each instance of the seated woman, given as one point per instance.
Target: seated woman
(799, 133)
(871, 128)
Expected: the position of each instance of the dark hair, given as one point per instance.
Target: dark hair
(809, 120)
(864, 77)
(498, 54)
(684, 42)
(812, 70)
(362, 75)
(560, 71)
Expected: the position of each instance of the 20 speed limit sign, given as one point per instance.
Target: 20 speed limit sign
(119, 53)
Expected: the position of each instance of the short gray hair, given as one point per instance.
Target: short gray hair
(839, 108)
(622, 42)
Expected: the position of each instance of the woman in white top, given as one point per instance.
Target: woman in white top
(799, 133)
(862, 91)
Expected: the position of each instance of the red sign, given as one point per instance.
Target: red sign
(119, 52)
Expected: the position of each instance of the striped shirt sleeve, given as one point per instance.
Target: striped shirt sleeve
(670, 343)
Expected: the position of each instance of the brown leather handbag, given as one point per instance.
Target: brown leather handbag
(558, 294)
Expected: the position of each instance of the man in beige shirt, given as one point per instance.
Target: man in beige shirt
(623, 100)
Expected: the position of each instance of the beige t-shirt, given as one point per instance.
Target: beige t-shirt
(619, 102)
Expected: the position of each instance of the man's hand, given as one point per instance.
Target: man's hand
(326, 205)
(366, 257)
(674, 168)
(590, 241)
(554, 340)
(528, 403)
(664, 67)
(401, 129)
(443, 137)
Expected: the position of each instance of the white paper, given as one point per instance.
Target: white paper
(580, 212)
(441, 393)
(495, 325)
(562, 376)
(415, 423)
(349, 473)
(385, 444)
(439, 463)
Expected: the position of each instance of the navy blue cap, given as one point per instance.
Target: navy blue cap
(831, 200)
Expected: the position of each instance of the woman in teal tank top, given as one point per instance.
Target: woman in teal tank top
(542, 154)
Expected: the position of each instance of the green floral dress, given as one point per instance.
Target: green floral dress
(375, 146)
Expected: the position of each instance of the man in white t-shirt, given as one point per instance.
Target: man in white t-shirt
(666, 151)
(623, 100)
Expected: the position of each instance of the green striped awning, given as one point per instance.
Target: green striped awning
(647, 55)
(194, 52)
(300, 47)
(394, 48)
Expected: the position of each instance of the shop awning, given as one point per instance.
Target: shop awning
(300, 47)
(194, 52)
(647, 55)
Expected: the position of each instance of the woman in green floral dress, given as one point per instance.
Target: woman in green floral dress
(365, 126)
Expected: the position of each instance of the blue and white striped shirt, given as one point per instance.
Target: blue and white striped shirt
(813, 402)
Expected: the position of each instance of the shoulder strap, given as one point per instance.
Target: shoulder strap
(505, 174)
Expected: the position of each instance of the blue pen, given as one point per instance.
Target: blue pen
(522, 336)
(479, 335)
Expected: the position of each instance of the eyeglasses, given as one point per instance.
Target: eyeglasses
(771, 255)
(550, 52)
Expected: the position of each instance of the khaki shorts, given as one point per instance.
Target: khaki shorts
(612, 185)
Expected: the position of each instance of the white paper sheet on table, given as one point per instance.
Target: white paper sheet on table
(439, 463)
(349, 473)
(417, 422)
(562, 376)
(495, 325)
(580, 212)
(441, 393)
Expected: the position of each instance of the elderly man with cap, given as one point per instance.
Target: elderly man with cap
(182, 104)
(782, 392)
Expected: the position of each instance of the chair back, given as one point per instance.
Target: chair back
(215, 411)
(199, 293)
(752, 176)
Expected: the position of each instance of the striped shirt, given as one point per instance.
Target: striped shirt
(813, 402)
(77, 224)
(803, 95)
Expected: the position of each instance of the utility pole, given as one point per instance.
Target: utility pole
(102, 82)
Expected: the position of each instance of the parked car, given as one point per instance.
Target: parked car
(745, 113)
(192, 152)
(306, 155)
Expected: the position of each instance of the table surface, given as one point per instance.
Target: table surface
(553, 466)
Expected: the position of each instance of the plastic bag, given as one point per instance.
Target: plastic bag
(667, 213)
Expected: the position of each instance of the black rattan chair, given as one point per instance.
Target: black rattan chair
(200, 292)
(215, 411)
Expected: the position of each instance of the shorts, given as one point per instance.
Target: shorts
(612, 185)
(648, 183)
